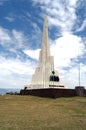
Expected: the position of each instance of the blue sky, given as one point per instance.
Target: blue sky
(21, 25)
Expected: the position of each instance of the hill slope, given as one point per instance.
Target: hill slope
(35, 113)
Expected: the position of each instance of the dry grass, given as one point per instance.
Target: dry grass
(35, 113)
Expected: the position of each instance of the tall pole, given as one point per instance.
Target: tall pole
(79, 74)
(78, 70)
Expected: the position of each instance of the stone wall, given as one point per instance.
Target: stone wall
(49, 92)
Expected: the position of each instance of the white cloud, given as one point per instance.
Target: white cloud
(70, 77)
(18, 38)
(32, 53)
(42, 1)
(4, 36)
(16, 66)
(10, 19)
(13, 39)
(66, 48)
(83, 26)
(60, 13)
(15, 73)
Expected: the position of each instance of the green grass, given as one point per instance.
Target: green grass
(35, 113)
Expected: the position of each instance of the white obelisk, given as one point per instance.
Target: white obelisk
(44, 73)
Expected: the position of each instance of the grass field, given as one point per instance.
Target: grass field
(35, 113)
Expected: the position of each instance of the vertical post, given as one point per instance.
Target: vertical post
(79, 74)
(79, 83)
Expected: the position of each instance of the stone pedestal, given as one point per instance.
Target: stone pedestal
(80, 91)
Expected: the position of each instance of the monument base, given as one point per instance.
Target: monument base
(53, 92)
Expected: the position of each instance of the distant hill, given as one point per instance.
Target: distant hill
(7, 90)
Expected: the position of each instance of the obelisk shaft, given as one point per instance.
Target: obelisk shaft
(45, 42)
